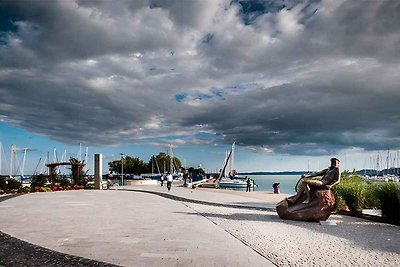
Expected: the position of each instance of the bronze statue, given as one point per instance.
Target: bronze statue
(330, 178)
(314, 201)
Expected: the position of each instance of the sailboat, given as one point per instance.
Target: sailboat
(228, 176)
(152, 175)
(173, 167)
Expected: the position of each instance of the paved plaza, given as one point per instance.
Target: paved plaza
(148, 226)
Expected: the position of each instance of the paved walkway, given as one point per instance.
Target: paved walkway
(144, 229)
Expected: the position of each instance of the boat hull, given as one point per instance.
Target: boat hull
(233, 184)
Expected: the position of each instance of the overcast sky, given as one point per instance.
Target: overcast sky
(288, 80)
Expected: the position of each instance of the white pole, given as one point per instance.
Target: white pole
(170, 159)
(98, 167)
(54, 155)
(86, 158)
(23, 164)
(122, 170)
(233, 156)
(12, 159)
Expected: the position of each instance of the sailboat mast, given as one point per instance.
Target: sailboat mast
(232, 164)
(377, 165)
(397, 169)
(12, 160)
(152, 165)
(226, 163)
(23, 163)
(171, 164)
(387, 162)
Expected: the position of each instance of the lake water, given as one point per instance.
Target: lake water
(264, 183)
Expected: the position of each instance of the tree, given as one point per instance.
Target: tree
(163, 161)
(132, 165)
(78, 176)
(196, 172)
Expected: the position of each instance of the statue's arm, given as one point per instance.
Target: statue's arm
(337, 180)
(321, 173)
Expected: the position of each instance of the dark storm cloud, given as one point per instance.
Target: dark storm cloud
(303, 77)
(311, 118)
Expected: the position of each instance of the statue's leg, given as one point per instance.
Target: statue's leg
(296, 197)
(307, 191)
(307, 188)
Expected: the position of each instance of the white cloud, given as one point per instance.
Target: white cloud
(114, 70)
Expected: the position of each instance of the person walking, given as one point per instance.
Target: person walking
(248, 187)
(170, 178)
(162, 179)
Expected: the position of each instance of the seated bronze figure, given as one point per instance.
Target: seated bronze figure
(314, 201)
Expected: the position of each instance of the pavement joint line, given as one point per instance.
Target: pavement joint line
(176, 198)
(234, 236)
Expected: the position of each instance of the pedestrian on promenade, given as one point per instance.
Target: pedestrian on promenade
(162, 179)
(170, 178)
(109, 184)
(276, 188)
(248, 181)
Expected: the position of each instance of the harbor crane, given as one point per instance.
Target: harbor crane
(13, 159)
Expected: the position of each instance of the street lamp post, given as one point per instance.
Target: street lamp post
(122, 169)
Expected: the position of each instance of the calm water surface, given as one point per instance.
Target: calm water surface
(264, 183)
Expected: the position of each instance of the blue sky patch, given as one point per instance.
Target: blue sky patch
(180, 97)
(207, 38)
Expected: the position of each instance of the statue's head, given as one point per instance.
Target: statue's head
(335, 162)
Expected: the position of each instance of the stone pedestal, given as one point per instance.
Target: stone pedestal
(98, 173)
(318, 209)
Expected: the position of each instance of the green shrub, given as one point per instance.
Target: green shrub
(13, 184)
(388, 194)
(353, 195)
(65, 182)
(3, 183)
(46, 189)
(39, 180)
(371, 196)
(26, 189)
(340, 204)
(89, 186)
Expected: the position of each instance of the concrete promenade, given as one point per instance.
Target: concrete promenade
(138, 228)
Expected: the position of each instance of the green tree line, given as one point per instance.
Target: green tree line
(137, 166)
